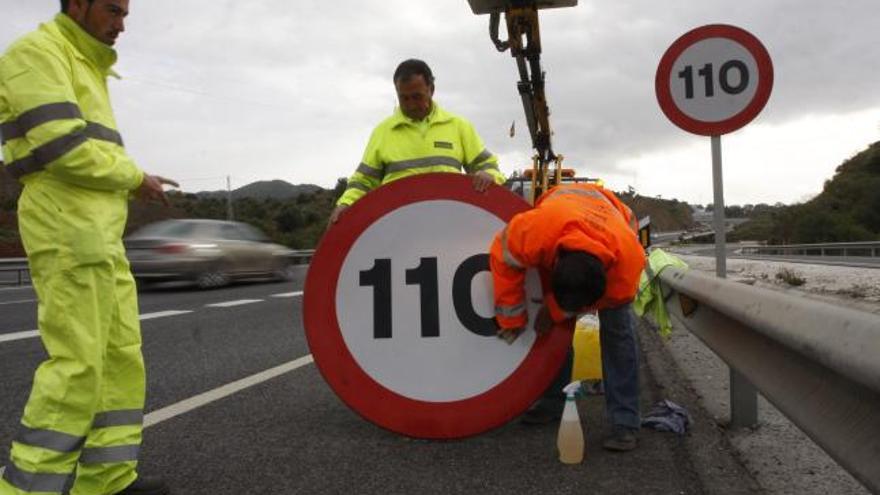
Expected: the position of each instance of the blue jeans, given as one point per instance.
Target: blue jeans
(620, 369)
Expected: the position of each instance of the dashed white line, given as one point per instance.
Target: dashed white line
(229, 304)
(287, 294)
(31, 334)
(161, 314)
(23, 287)
(20, 301)
(210, 396)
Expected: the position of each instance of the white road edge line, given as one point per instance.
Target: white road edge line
(229, 304)
(210, 396)
(288, 294)
(11, 337)
(30, 334)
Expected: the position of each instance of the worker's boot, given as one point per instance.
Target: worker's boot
(622, 439)
(146, 486)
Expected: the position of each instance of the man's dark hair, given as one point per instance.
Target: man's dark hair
(578, 280)
(413, 67)
(66, 3)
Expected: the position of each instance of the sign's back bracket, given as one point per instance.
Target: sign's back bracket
(524, 43)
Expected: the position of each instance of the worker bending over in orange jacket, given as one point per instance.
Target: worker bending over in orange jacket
(584, 241)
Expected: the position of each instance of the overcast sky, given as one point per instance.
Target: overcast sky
(290, 89)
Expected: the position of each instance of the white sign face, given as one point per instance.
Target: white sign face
(397, 275)
(714, 80)
(398, 311)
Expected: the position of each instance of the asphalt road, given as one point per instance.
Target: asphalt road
(290, 434)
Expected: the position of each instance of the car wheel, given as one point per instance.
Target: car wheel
(284, 271)
(212, 278)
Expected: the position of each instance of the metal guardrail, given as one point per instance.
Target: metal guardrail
(845, 249)
(17, 265)
(816, 362)
(20, 267)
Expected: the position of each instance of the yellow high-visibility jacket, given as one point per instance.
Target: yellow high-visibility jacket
(400, 147)
(57, 123)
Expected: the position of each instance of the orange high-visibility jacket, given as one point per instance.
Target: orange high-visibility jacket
(577, 217)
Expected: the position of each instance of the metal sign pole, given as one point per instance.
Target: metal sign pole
(743, 395)
(718, 187)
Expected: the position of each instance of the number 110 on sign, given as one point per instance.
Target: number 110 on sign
(424, 278)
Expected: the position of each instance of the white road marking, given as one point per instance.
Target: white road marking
(10, 337)
(229, 304)
(210, 396)
(31, 334)
(18, 302)
(287, 294)
(23, 287)
(161, 314)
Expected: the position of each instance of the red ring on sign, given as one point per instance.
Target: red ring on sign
(704, 128)
(360, 391)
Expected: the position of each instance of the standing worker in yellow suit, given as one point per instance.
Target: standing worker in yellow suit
(419, 138)
(84, 418)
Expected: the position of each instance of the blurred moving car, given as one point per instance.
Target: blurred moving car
(210, 253)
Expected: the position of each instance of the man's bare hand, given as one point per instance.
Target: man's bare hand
(151, 189)
(335, 215)
(509, 335)
(482, 181)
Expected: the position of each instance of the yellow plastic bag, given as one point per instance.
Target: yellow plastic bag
(587, 352)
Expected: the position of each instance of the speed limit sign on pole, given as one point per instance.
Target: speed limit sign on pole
(398, 311)
(714, 80)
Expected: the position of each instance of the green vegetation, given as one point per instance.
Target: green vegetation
(666, 214)
(847, 210)
(297, 221)
(790, 277)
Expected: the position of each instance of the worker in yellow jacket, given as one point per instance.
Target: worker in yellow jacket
(419, 138)
(85, 411)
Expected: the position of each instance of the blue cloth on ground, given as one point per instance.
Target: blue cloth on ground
(668, 416)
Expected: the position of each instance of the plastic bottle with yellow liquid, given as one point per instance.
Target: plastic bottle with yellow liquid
(570, 440)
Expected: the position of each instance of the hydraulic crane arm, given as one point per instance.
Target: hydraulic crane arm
(524, 43)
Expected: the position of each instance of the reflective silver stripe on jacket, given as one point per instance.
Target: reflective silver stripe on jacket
(50, 440)
(127, 417)
(105, 455)
(35, 482)
(36, 117)
(358, 186)
(43, 155)
(509, 260)
(428, 161)
(370, 171)
(483, 156)
(488, 166)
(510, 311)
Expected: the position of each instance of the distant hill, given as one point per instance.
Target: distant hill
(667, 215)
(272, 189)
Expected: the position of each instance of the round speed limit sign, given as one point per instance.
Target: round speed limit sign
(714, 80)
(398, 311)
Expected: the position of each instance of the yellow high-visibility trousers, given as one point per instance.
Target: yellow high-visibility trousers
(84, 418)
